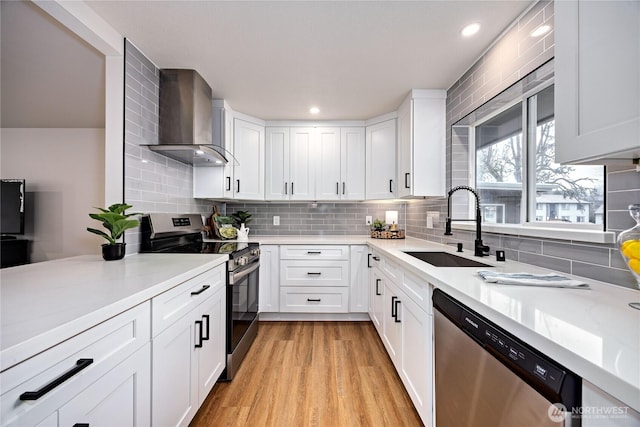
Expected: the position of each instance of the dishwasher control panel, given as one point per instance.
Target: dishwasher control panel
(517, 355)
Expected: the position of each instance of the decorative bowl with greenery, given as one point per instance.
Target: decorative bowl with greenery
(116, 222)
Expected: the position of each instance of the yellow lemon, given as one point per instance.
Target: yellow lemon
(631, 249)
(634, 265)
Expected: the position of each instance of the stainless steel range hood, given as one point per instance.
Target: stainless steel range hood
(185, 122)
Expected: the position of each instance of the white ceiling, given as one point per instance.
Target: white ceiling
(275, 59)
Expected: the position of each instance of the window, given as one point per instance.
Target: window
(515, 167)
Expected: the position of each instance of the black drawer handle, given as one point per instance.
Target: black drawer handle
(314, 273)
(394, 307)
(397, 312)
(337, 188)
(343, 187)
(81, 425)
(314, 252)
(35, 395)
(238, 182)
(199, 325)
(314, 299)
(377, 288)
(406, 180)
(204, 288)
(205, 336)
(390, 186)
(228, 183)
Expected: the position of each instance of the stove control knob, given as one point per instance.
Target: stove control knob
(255, 252)
(243, 260)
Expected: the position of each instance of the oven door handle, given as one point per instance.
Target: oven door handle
(233, 278)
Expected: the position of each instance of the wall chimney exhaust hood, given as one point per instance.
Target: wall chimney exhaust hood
(185, 120)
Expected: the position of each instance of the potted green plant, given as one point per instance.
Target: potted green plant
(378, 225)
(241, 217)
(116, 222)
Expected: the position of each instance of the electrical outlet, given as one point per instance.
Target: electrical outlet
(369, 220)
(429, 222)
(276, 220)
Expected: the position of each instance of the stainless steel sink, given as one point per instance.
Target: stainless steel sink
(446, 259)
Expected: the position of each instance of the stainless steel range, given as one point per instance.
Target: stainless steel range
(182, 233)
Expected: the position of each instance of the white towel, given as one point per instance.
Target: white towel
(528, 279)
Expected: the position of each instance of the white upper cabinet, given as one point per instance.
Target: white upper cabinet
(597, 81)
(277, 167)
(302, 164)
(289, 164)
(381, 160)
(249, 151)
(340, 163)
(421, 144)
(217, 182)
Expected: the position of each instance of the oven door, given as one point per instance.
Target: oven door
(242, 303)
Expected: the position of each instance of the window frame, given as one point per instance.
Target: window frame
(528, 224)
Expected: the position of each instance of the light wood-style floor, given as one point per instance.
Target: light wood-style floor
(312, 374)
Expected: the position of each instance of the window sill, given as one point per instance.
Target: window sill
(591, 236)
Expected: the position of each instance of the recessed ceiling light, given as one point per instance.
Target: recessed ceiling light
(542, 29)
(470, 29)
(314, 110)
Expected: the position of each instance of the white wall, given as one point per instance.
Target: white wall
(64, 171)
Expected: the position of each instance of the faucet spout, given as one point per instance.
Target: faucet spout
(480, 249)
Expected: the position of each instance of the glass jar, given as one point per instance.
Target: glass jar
(629, 243)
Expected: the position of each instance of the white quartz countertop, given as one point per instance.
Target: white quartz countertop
(45, 303)
(592, 332)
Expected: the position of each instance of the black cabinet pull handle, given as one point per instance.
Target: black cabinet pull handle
(376, 258)
(377, 289)
(292, 188)
(314, 299)
(337, 188)
(397, 312)
(238, 182)
(81, 425)
(314, 273)
(393, 307)
(35, 395)
(406, 182)
(199, 325)
(228, 183)
(314, 252)
(206, 336)
(204, 288)
(286, 188)
(343, 187)
(369, 260)
(390, 186)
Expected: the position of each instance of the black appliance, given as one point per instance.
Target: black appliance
(12, 194)
(182, 233)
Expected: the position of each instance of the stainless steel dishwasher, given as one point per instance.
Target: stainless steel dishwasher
(487, 377)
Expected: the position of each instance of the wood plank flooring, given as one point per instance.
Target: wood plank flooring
(312, 374)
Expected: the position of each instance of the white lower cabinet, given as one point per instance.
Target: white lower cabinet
(269, 290)
(600, 409)
(119, 398)
(189, 354)
(399, 308)
(314, 279)
(100, 377)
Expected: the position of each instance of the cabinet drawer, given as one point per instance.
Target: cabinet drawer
(314, 273)
(418, 290)
(392, 270)
(314, 300)
(89, 356)
(321, 252)
(176, 302)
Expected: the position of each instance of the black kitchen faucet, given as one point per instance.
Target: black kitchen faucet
(479, 248)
